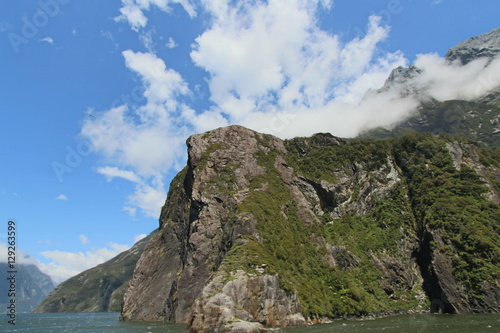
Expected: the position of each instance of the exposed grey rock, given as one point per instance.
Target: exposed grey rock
(354, 192)
(467, 154)
(483, 46)
(244, 303)
(199, 225)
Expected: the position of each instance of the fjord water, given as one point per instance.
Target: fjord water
(109, 323)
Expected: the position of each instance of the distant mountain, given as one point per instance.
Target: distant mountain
(32, 286)
(99, 289)
(477, 120)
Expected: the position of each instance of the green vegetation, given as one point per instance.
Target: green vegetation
(433, 196)
(450, 201)
(321, 163)
(473, 120)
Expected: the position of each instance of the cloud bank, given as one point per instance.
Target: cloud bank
(64, 265)
(264, 73)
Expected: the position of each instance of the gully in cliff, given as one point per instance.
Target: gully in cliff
(258, 233)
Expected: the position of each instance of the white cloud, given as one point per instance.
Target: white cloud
(21, 256)
(132, 11)
(445, 81)
(112, 172)
(62, 197)
(171, 44)
(149, 140)
(163, 85)
(264, 73)
(130, 210)
(261, 66)
(150, 198)
(139, 237)
(49, 40)
(147, 40)
(258, 65)
(83, 239)
(64, 265)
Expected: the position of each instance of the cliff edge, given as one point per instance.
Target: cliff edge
(258, 232)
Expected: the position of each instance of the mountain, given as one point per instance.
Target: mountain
(99, 289)
(477, 119)
(483, 46)
(258, 232)
(32, 286)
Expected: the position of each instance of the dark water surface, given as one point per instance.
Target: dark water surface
(109, 323)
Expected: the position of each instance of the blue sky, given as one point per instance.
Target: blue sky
(98, 97)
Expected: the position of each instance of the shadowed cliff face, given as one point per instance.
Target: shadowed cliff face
(198, 225)
(258, 232)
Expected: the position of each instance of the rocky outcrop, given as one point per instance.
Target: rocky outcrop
(99, 289)
(244, 302)
(199, 224)
(468, 155)
(258, 233)
(483, 46)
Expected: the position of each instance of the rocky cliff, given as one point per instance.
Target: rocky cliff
(99, 289)
(257, 232)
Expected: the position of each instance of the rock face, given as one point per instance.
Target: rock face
(246, 300)
(199, 224)
(99, 289)
(483, 46)
(258, 233)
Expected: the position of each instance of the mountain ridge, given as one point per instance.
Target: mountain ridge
(257, 232)
(476, 119)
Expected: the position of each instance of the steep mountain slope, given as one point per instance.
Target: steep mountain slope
(478, 119)
(32, 286)
(99, 289)
(258, 232)
(474, 120)
(483, 46)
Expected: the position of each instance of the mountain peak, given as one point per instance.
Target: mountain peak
(485, 45)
